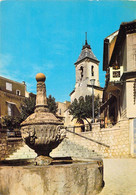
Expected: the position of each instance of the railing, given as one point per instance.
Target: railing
(92, 140)
(84, 128)
(11, 133)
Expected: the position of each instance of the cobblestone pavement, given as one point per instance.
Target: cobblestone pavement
(119, 177)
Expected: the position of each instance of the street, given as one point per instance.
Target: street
(119, 177)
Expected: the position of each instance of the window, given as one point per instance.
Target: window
(60, 111)
(9, 109)
(81, 69)
(18, 92)
(92, 70)
(8, 86)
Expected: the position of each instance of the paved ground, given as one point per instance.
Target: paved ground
(119, 177)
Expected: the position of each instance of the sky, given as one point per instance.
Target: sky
(47, 36)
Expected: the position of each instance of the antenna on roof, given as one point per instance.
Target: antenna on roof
(86, 38)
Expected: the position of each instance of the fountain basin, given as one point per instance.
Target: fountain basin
(77, 178)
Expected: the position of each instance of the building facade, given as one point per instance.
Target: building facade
(87, 74)
(87, 83)
(119, 62)
(12, 94)
(62, 107)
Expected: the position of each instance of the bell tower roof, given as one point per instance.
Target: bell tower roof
(86, 53)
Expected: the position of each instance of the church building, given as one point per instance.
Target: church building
(87, 74)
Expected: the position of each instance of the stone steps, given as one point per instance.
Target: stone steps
(74, 150)
(24, 152)
(72, 146)
(66, 149)
(8, 148)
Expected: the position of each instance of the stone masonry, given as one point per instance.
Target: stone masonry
(109, 143)
(8, 146)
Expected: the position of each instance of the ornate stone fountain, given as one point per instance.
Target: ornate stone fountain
(42, 131)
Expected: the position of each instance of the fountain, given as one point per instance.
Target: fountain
(43, 132)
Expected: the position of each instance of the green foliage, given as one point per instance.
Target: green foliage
(10, 122)
(52, 105)
(82, 108)
(28, 106)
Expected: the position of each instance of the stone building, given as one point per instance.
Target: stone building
(118, 139)
(119, 62)
(87, 83)
(87, 71)
(62, 107)
(12, 94)
(120, 65)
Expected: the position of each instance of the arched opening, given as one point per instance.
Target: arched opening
(79, 126)
(81, 72)
(113, 110)
(92, 70)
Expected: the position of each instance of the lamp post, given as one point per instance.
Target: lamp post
(92, 83)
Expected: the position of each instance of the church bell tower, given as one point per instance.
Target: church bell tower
(87, 69)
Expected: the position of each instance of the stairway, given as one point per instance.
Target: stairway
(24, 152)
(70, 149)
(67, 148)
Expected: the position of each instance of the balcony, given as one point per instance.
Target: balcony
(115, 74)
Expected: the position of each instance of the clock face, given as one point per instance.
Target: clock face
(116, 74)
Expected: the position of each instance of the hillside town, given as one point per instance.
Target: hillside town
(108, 129)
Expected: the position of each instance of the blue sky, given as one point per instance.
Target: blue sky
(47, 36)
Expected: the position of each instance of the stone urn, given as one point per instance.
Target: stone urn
(42, 131)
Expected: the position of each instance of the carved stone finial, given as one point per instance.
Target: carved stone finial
(40, 77)
(41, 99)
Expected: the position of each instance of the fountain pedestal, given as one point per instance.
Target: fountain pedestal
(42, 131)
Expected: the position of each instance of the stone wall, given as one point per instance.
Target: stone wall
(108, 142)
(116, 137)
(8, 145)
(14, 86)
(69, 179)
(10, 98)
(130, 98)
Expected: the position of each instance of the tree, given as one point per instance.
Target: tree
(10, 122)
(28, 106)
(82, 108)
(52, 105)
